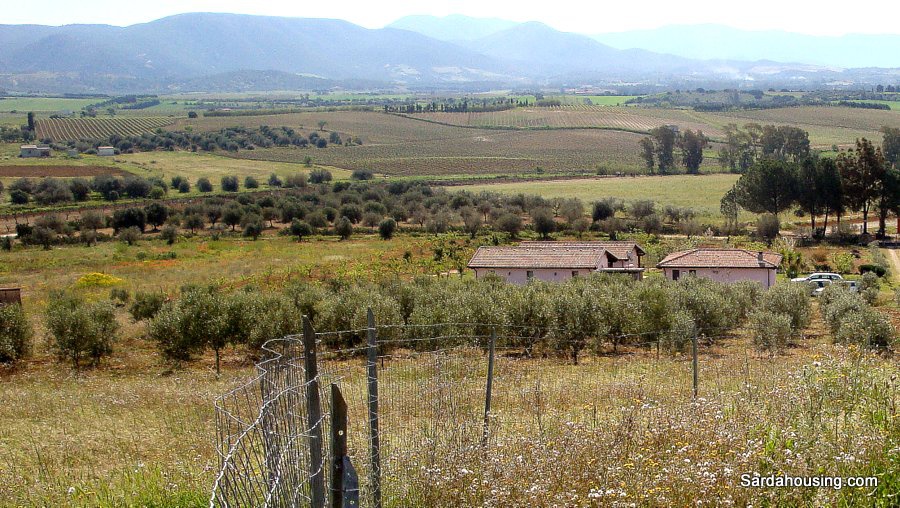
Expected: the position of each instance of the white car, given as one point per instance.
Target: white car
(834, 277)
(817, 286)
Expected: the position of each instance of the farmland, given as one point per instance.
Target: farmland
(43, 104)
(67, 129)
(630, 119)
(400, 146)
(137, 431)
(680, 190)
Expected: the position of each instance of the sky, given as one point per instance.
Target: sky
(590, 17)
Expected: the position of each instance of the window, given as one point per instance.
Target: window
(529, 274)
(574, 273)
(676, 274)
(693, 272)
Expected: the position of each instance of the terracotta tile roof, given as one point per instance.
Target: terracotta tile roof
(619, 250)
(720, 258)
(524, 257)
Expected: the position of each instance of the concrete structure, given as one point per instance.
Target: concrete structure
(106, 151)
(9, 296)
(34, 151)
(722, 265)
(557, 261)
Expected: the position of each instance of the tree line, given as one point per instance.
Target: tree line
(863, 179)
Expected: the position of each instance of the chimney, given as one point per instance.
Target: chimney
(759, 258)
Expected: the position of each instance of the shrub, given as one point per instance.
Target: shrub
(300, 229)
(184, 187)
(80, 330)
(362, 174)
(253, 225)
(15, 333)
(274, 181)
(146, 305)
(843, 262)
(543, 221)
(386, 228)
(97, 280)
(771, 331)
(319, 175)
(867, 327)
(18, 197)
(868, 287)
(169, 233)
(229, 183)
(136, 187)
(768, 226)
(295, 181)
(119, 296)
(203, 185)
(129, 217)
(343, 228)
(876, 269)
(790, 300)
(509, 223)
(184, 328)
(251, 183)
(643, 208)
(130, 235)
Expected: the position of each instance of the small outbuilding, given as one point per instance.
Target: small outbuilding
(557, 261)
(106, 151)
(34, 151)
(723, 265)
(9, 296)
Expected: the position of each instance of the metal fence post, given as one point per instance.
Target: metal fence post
(694, 353)
(374, 437)
(314, 417)
(490, 386)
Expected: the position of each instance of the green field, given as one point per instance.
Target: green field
(44, 104)
(702, 193)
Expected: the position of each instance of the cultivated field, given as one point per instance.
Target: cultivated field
(701, 193)
(43, 104)
(66, 129)
(632, 119)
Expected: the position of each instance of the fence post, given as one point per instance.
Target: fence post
(314, 417)
(374, 437)
(694, 354)
(344, 488)
(490, 386)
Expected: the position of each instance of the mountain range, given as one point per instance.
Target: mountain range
(206, 51)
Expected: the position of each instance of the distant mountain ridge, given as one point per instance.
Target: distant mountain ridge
(204, 51)
(722, 42)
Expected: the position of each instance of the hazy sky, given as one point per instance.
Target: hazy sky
(805, 16)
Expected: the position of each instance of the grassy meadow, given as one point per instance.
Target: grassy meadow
(702, 193)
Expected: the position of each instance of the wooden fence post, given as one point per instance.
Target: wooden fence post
(490, 386)
(314, 417)
(344, 483)
(694, 354)
(374, 437)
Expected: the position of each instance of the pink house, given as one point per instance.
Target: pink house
(557, 261)
(722, 265)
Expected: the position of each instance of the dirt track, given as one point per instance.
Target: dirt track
(893, 256)
(39, 171)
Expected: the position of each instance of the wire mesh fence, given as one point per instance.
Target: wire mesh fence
(418, 399)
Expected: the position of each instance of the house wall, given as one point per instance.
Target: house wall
(764, 276)
(520, 276)
(107, 152)
(33, 152)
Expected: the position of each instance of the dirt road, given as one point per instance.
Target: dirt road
(893, 256)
